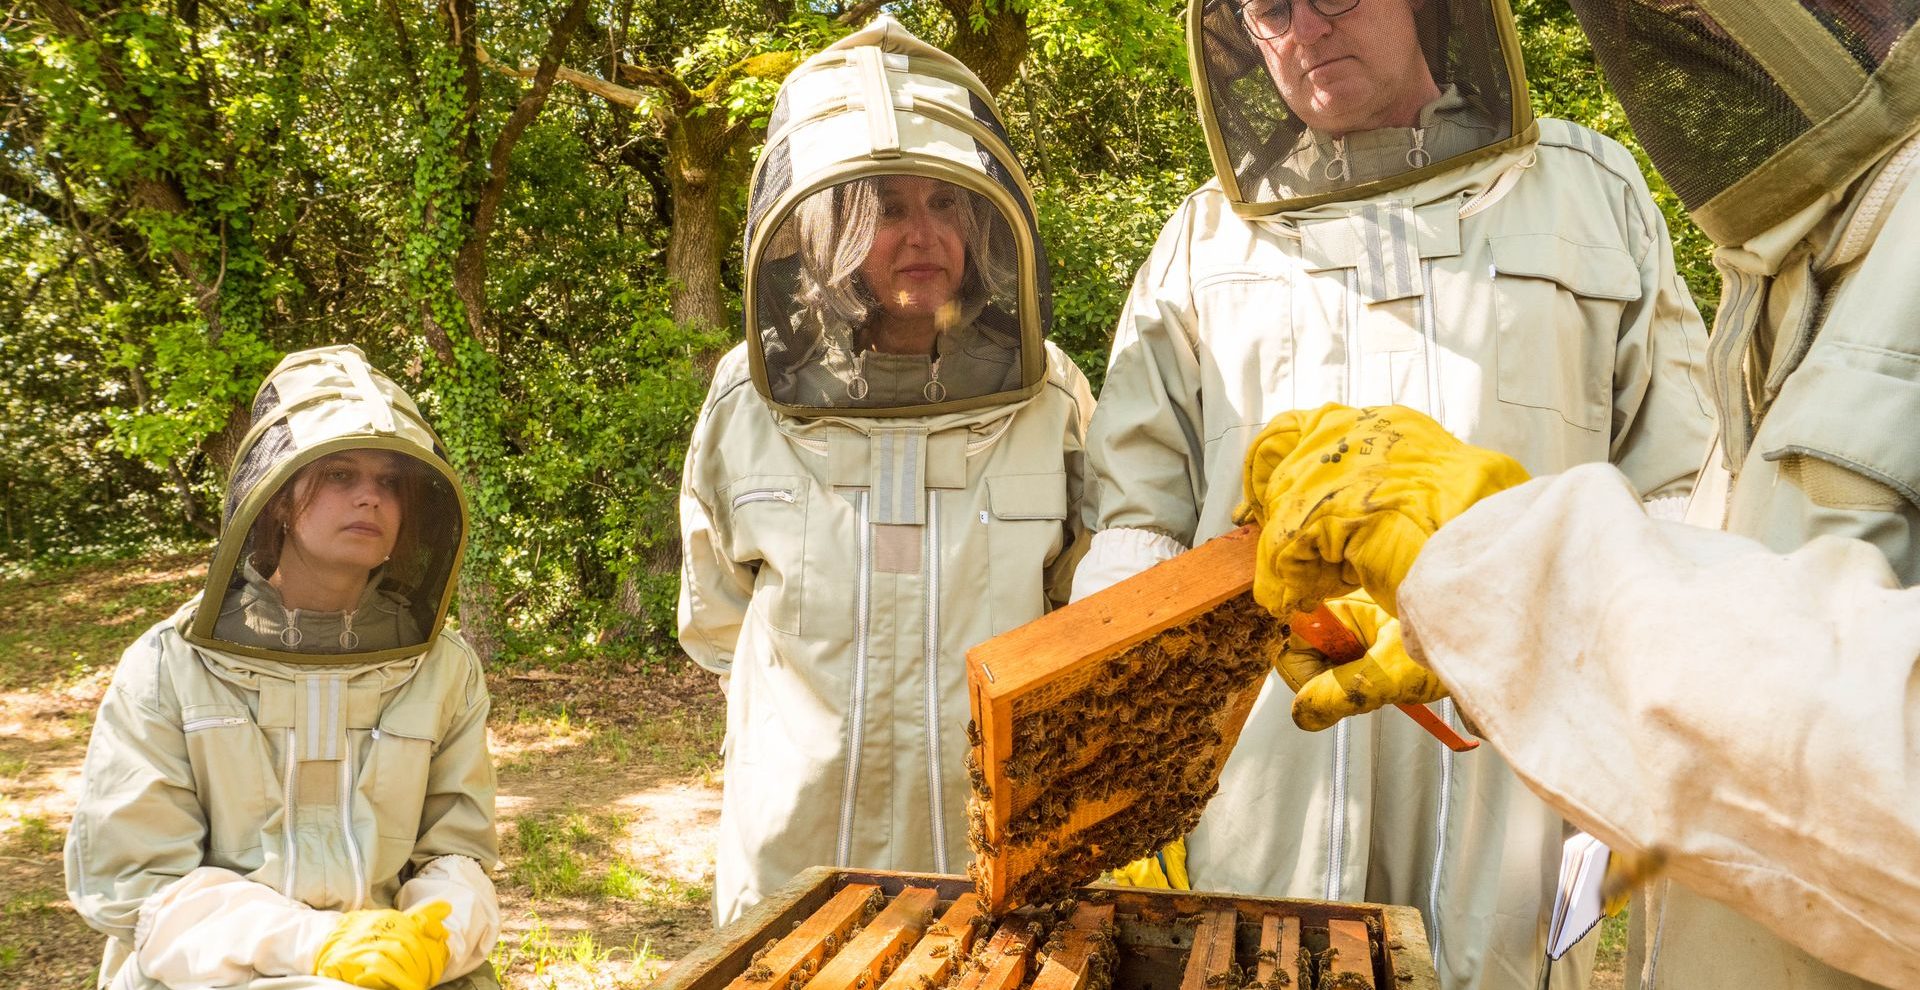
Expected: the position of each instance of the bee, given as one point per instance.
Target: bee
(973, 735)
(757, 974)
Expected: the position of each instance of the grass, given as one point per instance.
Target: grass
(572, 853)
(546, 958)
(61, 625)
(681, 747)
(34, 836)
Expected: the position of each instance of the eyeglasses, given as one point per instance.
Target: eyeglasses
(1270, 19)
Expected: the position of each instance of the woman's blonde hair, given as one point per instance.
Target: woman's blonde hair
(835, 229)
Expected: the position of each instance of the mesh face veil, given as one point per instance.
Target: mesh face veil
(1314, 101)
(893, 262)
(1752, 111)
(343, 526)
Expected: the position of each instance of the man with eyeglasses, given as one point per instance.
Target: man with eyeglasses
(1388, 224)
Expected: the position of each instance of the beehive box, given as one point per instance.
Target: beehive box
(866, 930)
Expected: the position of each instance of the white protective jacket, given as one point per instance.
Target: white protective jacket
(1532, 306)
(211, 853)
(1749, 713)
(841, 640)
(1817, 365)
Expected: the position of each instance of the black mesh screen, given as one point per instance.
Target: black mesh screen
(1280, 152)
(776, 174)
(274, 446)
(1867, 28)
(1703, 108)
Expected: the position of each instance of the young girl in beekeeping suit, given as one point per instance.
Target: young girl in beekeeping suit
(288, 781)
(885, 473)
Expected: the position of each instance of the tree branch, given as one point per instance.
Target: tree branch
(471, 264)
(857, 14)
(646, 75)
(610, 92)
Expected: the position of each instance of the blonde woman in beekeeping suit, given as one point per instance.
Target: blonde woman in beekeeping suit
(885, 473)
(1388, 223)
(288, 783)
(1744, 702)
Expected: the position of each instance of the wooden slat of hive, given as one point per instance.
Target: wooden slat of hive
(1351, 965)
(1211, 961)
(866, 960)
(1038, 668)
(941, 949)
(1003, 962)
(1279, 953)
(1071, 960)
(807, 945)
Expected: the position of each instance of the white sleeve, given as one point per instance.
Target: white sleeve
(474, 923)
(1666, 687)
(1114, 555)
(216, 928)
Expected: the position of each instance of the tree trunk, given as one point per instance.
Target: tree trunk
(697, 169)
(996, 53)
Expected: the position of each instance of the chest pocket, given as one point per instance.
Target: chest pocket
(767, 528)
(1559, 306)
(1846, 454)
(1027, 516)
(394, 779)
(237, 780)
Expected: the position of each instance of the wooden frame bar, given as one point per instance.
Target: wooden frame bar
(868, 959)
(808, 945)
(943, 948)
(1351, 964)
(1279, 953)
(1212, 955)
(1003, 963)
(1071, 962)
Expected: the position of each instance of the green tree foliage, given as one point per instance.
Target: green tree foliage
(526, 212)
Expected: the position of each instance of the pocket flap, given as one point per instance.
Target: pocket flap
(1028, 496)
(1873, 438)
(1585, 269)
(412, 721)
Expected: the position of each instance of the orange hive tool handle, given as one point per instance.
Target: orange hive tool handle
(1325, 632)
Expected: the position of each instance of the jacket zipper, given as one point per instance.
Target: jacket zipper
(1431, 336)
(1440, 834)
(763, 495)
(857, 705)
(1337, 815)
(937, 800)
(214, 722)
(1353, 335)
(292, 873)
(346, 831)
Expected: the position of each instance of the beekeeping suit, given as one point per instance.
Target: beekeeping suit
(258, 770)
(856, 513)
(1509, 276)
(1789, 132)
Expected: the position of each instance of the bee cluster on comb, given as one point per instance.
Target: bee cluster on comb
(1099, 730)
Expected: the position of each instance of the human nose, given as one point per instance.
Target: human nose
(1309, 25)
(368, 492)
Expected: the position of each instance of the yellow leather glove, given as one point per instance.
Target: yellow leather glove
(1347, 497)
(387, 949)
(1325, 693)
(1164, 870)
